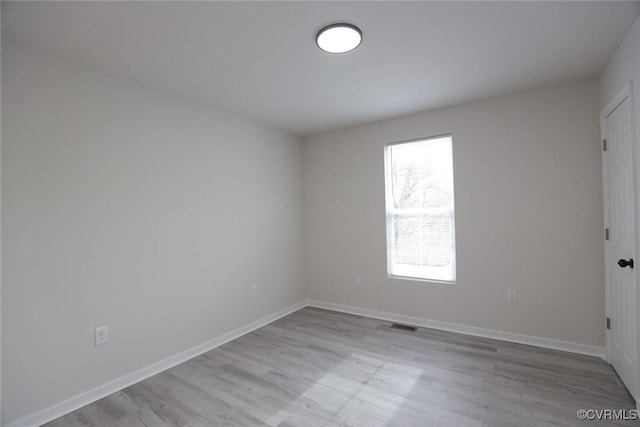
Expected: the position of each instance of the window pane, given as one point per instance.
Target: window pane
(407, 240)
(436, 233)
(420, 208)
(422, 173)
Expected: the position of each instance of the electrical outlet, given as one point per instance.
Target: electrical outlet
(102, 335)
(356, 279)
(254, 289)
(512, 295)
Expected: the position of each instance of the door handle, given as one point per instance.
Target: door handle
(624, 263)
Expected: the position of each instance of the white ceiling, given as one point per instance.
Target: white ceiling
(259, 59)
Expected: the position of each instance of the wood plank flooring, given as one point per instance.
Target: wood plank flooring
(322, 368)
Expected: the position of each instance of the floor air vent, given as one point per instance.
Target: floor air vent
(403, 327)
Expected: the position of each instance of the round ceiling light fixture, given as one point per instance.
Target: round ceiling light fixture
(339, 38)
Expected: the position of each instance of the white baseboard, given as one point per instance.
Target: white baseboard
(118, 384)
(104, 390)
(572, 347)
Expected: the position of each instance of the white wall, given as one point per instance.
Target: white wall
(130, 208)
(624, 66)
(528, 216)
(0, 249)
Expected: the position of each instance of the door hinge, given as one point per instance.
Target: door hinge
(604, 145)
(608, 323)
(606, 234)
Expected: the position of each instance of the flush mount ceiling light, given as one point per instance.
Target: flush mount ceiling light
(339, 38)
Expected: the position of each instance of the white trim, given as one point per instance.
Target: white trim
(83, 399)
(571, 347)
(627, 92)
(624, 93)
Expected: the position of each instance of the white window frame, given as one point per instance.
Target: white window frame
(416, 273)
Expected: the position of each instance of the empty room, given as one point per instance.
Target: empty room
(301, 213)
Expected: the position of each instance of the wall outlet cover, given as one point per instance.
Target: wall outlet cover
(102, 335)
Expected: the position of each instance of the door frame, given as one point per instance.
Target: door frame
(625, 93)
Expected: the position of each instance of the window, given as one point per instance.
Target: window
(421, 240)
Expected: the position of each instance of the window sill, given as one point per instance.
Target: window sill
(422, 279)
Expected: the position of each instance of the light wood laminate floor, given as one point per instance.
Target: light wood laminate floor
(322, 368)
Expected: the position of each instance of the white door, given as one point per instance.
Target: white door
(620, 256)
